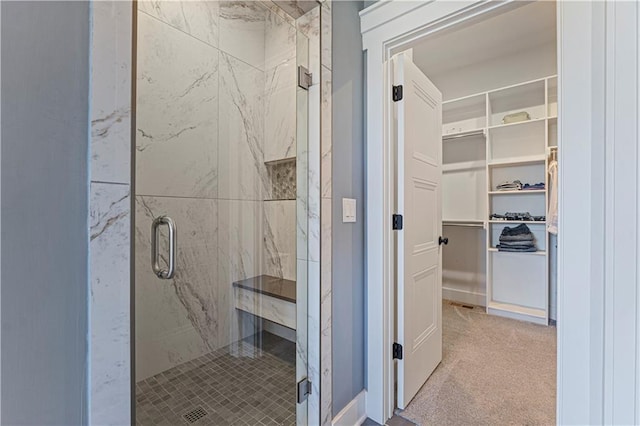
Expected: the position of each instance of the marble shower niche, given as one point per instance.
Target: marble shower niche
(219, 150)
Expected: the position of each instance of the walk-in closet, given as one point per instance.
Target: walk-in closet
(498, 78)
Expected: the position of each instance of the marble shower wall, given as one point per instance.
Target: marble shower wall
(326, 283)
(280, 143)
(110, 214)
(216, 99)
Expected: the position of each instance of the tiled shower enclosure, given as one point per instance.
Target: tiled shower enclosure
(228, 146)
(216, 151)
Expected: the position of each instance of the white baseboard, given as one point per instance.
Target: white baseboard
(354, 414)
(463, 296)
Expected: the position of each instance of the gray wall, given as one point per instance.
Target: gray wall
(348, 182)
(45, 81)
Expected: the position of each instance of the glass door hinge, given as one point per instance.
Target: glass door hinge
(303, 390)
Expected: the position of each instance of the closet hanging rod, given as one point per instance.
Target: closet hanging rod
(464, 225)
(463, 135)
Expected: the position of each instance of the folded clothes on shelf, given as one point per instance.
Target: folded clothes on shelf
(532, 187)
(526, 216)
(520, 230)
(517, 185)
(517, 249)
(517, 239)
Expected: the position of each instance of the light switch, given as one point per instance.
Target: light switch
(348, 210)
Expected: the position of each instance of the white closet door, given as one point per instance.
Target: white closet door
(419, 261)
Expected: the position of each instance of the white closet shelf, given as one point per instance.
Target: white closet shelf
(487, 153)
(526, 222)
(516, 161)
(523, 191)
(463, 134)
(467, 165)
(519, 123)
(520, 85)
(526, 253)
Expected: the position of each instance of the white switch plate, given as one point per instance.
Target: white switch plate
(348, 210)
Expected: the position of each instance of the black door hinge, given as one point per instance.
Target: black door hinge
(303, 390)
(397, 222)
(397, 93)
(397, 351)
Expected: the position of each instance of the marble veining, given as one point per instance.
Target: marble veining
(279, 41)
(313, 327)
(296, 8)
(242, 170)
(109, 223)
(326, 142)
(280, 239)
(176, 319)
(326, 35)
(242, 31)
(326, 396)
(110, 214)
(196, 18)
(313, 173)
(111, 92)
(280, 111)
(176, 135)
(239, 255)
(325, 312)
(309, 25)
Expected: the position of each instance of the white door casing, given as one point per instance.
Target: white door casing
(393, 26)
(419, 261)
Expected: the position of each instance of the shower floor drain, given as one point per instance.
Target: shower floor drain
(195, 415)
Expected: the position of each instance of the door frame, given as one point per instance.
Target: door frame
(584, 51)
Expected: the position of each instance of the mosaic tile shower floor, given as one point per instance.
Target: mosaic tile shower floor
(230, 390)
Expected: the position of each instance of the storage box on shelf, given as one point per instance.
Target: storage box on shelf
(528, 97)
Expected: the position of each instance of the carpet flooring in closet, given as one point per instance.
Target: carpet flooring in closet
(494, 371)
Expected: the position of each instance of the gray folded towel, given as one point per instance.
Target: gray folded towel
(520, 237)
(516, 249)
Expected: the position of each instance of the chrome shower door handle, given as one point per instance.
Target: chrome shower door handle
(155, 256)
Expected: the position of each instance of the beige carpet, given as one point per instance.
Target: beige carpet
(494, 371)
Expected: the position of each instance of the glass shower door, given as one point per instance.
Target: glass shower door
(221, 196)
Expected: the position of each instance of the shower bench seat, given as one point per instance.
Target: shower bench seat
(267, 297)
